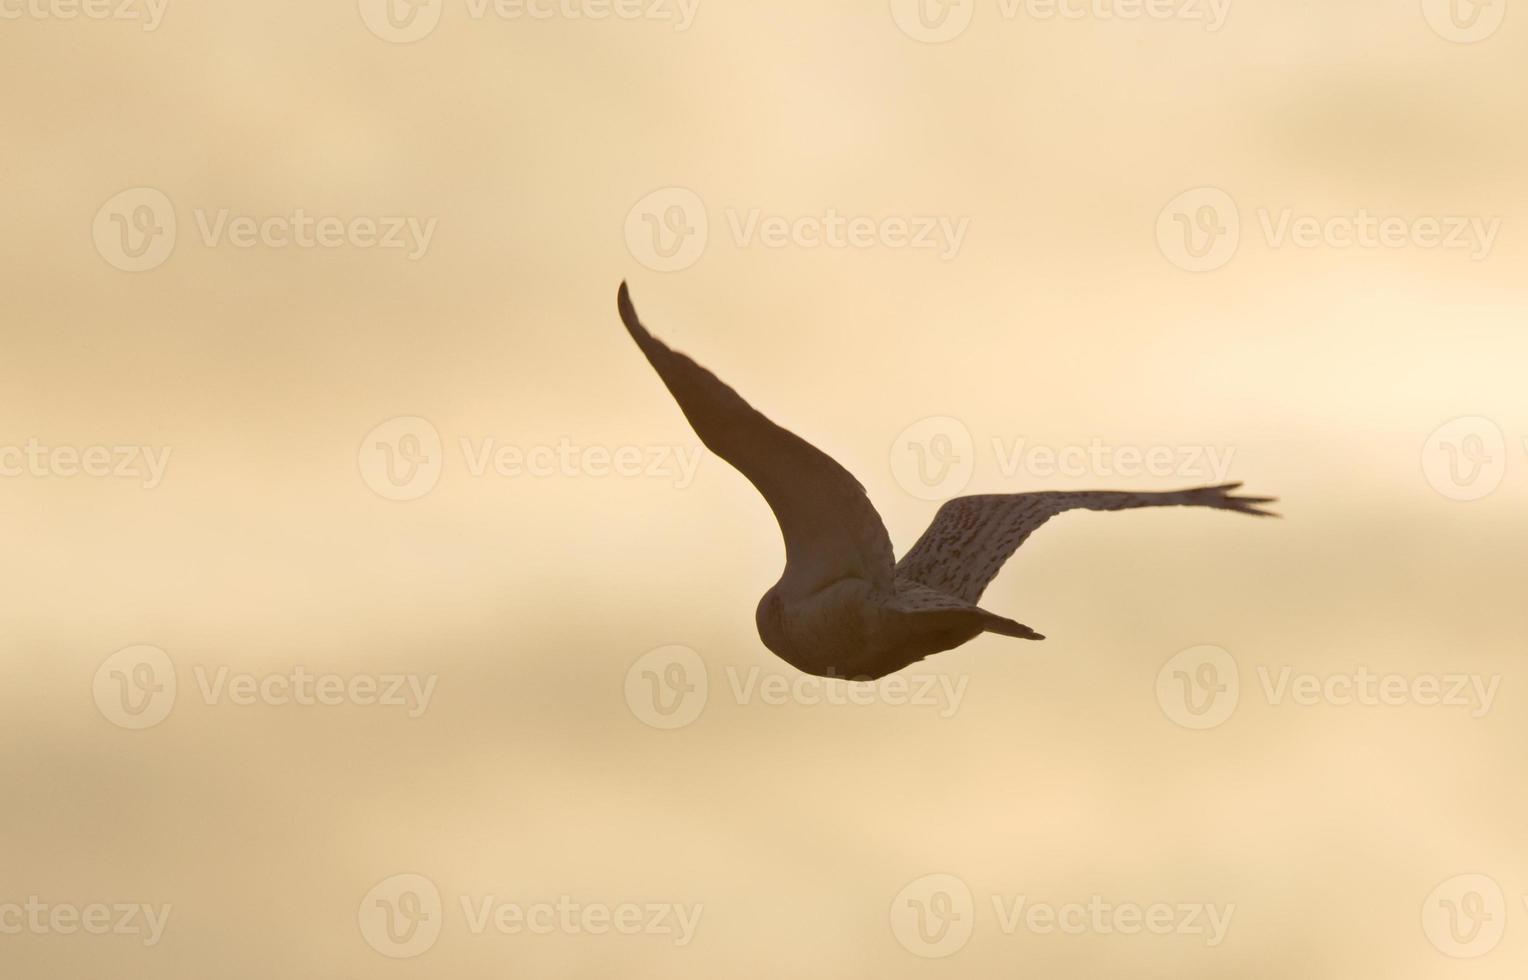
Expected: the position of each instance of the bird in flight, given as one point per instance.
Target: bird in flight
(843, 606)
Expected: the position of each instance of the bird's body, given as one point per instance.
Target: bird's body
(843, 607)
(850, 629)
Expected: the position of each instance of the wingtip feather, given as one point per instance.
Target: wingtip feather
(628, 311)
(651, 346)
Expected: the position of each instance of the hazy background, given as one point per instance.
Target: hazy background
(1061, 319)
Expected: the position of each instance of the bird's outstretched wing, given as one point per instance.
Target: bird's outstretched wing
(971, 537)
(831, 530)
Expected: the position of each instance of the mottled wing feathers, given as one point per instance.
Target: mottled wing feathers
(831, 529)
(971, 537)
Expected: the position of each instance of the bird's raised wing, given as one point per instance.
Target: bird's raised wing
(971, 537)
(831, 530)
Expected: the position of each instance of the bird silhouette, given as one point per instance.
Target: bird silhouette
(843, 606)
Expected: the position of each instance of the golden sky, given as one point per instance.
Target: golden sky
(372, 610)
